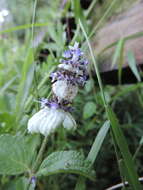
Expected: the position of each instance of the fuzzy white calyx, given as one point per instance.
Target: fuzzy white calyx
(47, 120)
(64, 90)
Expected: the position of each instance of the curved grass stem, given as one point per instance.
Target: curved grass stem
(40, 155)
(95, 64)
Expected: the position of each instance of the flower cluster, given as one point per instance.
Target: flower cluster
(71, 74)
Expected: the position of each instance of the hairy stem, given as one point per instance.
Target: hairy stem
(40, 154)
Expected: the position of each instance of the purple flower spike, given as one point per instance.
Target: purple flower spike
(71, 73)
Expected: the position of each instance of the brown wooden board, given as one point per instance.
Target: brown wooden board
(125, 24)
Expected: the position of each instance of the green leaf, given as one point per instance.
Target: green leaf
(32, 141)
(89, 85)
(89, 110)
(133, 65)
(141, 141)
(25, 83)
(127, 89)
(6, 122)
(18, 183)
(118, 58)
(79, 14)
(127, 38)
(15, 155)
(21, 183)
(7, 84)
(98, 142)
(94, 151)
(121, 142)
(118, 52)
(65, 162)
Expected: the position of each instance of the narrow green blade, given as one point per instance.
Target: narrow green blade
(121, 142)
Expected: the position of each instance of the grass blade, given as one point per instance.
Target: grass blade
(23, 27)
(118, 58)
(103, 18)
(98, 142)
(129, 37)
(79, 14)
(94, 63)
(121, 142)
(133, 65)
(90, 8)
(25, 83)
(117, 53)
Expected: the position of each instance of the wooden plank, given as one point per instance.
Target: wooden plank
(123, 25)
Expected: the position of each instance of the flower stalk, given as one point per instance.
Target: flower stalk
(40, 155)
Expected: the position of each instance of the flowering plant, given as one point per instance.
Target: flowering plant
(72, 74)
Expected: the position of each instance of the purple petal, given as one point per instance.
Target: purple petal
(54, 105)
(33, 181)
(67, 54)
(76, 44)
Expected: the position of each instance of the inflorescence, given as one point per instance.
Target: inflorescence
(72, 73)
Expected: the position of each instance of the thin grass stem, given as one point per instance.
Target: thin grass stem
(102, 18)
(95, 64)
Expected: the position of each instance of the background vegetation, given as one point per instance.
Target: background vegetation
(48, 27)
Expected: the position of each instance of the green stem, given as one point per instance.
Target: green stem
(40, 155)
(91, 7)
(103, 18)
(38, 160)
(137, 151)
(33, 21)
(95, 65)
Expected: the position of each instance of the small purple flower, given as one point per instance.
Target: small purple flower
(53, 76)
(76, 52)
(33, 181)
(67, 54)
(84, 62)
(44, 102)
(76, 44)
(54, 105)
